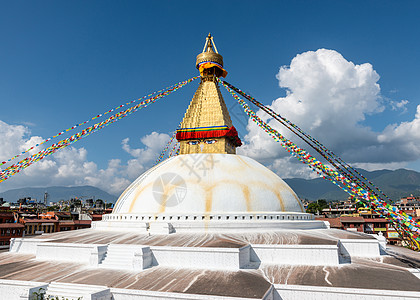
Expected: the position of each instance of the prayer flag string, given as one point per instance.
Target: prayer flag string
(87, 121)
(343, 181)
(330, 156)
(168, 144)
(16, 168)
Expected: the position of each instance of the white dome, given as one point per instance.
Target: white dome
(208, 183)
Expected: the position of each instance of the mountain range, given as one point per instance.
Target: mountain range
(57, 193)
(395, 184)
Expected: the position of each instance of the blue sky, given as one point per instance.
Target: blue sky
(63, 62)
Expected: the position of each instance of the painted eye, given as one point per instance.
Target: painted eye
(192, 142)
(210, 141)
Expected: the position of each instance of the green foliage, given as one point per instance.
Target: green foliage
(317, 207)
(312, 208)
(40, 295)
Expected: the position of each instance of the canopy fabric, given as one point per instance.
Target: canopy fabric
(208, 65)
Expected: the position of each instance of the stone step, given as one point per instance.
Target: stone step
(119, 259)
(124, 257)
(75, 291)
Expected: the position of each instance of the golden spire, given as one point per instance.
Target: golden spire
(207, 127)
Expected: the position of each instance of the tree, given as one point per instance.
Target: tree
(313, 208)
(317, 207)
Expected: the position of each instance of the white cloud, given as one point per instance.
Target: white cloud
(403, 138)
(70, 166)
(401, 105)
(154, 143)
(15, 139)
(330, 97)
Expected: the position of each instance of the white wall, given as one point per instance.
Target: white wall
(14, 289)
(360, 248)
(201, 257)
(299, 292)
(296, 254)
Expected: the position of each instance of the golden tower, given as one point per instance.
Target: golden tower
(207, 127)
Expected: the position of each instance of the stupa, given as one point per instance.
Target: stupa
(208, 187)
(209, 224)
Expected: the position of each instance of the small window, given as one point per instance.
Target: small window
(227, 217)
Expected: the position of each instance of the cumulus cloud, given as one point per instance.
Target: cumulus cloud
(330, 98)
(154, 142)
(15, 139)
(400, 105)
(71, 167)
(326, 95)
(403, 138)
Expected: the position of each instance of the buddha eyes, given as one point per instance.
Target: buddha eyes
(198, 142)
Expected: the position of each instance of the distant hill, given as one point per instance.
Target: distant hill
(57, 193)
(395, 184)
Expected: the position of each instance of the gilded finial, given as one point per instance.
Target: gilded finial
(210, 58)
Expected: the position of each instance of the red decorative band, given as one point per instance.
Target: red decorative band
(199, 133)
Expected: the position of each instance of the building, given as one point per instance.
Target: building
(410, 205)
(8, 229)
(346, 216)
(49, 222)
(208, 224)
